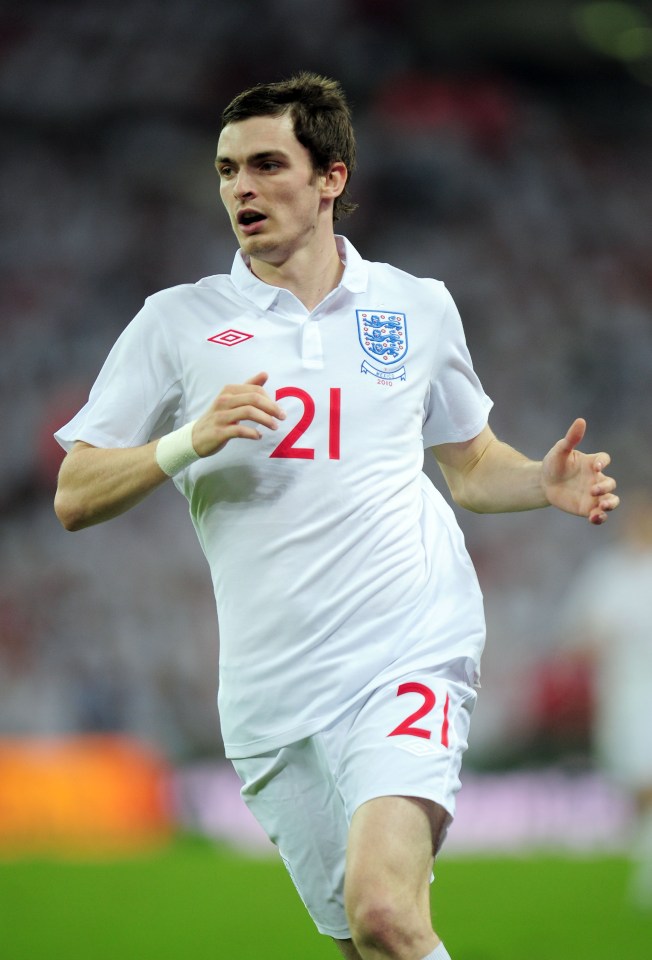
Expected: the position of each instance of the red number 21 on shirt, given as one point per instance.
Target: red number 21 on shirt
(287, 447)
(406, 727)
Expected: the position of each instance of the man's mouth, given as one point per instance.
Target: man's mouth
(248, 217)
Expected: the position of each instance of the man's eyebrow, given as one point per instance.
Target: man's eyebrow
(260, 155)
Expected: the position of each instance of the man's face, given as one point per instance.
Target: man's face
(268, 186)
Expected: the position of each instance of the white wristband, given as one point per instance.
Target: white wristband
(175, 452)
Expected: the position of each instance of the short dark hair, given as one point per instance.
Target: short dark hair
(321, 118)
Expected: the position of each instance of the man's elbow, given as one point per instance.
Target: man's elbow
(467, 503)
(68, 512)
(466, 498)
(69, 500)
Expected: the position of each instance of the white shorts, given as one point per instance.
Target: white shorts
(406, 739)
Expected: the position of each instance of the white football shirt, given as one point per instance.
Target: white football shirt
(336, 564)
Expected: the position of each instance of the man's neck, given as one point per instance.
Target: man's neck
(309, 274)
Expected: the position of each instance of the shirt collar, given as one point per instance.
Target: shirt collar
(264, 295)
(354, 277)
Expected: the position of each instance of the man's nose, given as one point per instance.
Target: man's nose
(243, 185)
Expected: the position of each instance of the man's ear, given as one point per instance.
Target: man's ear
(334, 180)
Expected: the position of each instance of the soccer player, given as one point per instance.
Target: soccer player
(291, 401)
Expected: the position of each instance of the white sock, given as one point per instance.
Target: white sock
(439, 953)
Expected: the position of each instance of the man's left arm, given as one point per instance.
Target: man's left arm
(486, 475)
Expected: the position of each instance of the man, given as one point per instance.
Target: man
(291, 401)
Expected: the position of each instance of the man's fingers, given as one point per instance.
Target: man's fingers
(256, 414)
(233, 398)
(604, 486)
(600, 461)
(600, 513)
(575, 434)
(259, 379)
(238, 411)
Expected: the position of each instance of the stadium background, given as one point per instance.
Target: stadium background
(504, 147)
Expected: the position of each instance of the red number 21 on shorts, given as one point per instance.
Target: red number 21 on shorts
(406, 727)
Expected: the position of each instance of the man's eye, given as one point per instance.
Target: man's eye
(270, 165)
(225, 171)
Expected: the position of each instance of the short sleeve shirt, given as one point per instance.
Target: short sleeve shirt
(336, 564)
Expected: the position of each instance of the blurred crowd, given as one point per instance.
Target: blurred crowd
(532, 202)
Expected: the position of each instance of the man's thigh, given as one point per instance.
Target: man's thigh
(411, 829)
(294, 796)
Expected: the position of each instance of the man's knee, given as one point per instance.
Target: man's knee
(377, 920)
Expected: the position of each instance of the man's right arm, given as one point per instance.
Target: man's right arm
(96, 484)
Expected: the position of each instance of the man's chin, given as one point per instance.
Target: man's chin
(255, 244)
(261, 248)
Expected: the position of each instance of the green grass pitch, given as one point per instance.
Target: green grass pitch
(197, 901)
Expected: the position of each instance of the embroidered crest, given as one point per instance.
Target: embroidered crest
(383, 337)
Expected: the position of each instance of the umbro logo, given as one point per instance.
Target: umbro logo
(229, 338)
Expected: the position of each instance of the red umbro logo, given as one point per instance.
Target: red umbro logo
(229, 338)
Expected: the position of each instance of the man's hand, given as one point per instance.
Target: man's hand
(575, 482)
(235, 413)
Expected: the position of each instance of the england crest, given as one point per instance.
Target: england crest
(383, 335)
